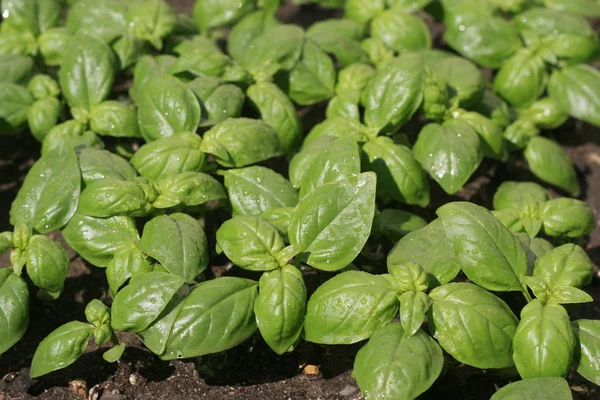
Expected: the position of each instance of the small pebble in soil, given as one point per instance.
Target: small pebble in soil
(348, 390)
(311, 370)
(78, 387)
(132, 379)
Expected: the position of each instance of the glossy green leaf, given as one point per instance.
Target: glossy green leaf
(277, 110)
(522, 78)
(105, 19)
(394, 366)
(87, 72)
(142, 301)
(61, 348)
(52, 45)
(98, 239)
(42, 116)
(166, 107)
(151, 20)
(238, 142)
(488, 253)
(473, 325)
(349, 308)
(254, 190)
(102, 164)
(280, 218)
(71, 133)
(14, 303)
(566, 265)
(342, 127)
(551, 163)
(413, 308)
(535, 388)
(587, 361)
(178, 242)
(331, 225)
(452, 163)
(15, 68)
(106, 198)
(128, 260)
(569, 295)
(546, 21)
(511, 194)
(112, 118)
(430, 248)
(339, 38)
(545, 114)
(210, 14)
(169, 155)
(399, 175)
(42, 86)
(544, 341)
(395, 93)
(114, 353)
(490, 134)
(246, 30)
(312, 79)
(188, 189)
(401, 32)
(147, 67)
(575, 89)
(49, 195)
(250, 243)
(216, 316)
(395, 224)
(362, 11)
(567, 217)
(588, 8)
(47, 263)
(280, 307)
(15, 102)
(201, 61)
(33, 16)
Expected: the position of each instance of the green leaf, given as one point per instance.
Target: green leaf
(588, 348)
(14, 304)
(16, 43)
(535, 388)
(567, 217)
(349, 308)
(278, 111)
(545, 114)
(487, 41)
(473, 325)
(15, 68)
(216, 316)
(575, 89)
(340, 127)
(146, 68)
(254, 190)
(114, 353)
(430, 248)
(246, 30)
(61, 348)
(225, 101)
(49, 195)
(551, 163)
(106, 198)
(42, 86)
(47, 263)
(129, 50)
(42, 116)
(112, 118)
(169, 155)
(544, 342)
(128, 260)
(450, 153)
(588, 8)
(546, 22)
(178, 242)
(399, 175)
(413, 308)
(339, 38)
(280, 307)
(362, 11)
(511, 194)
(151, 20)
(569, 295)
(395, 224)
(250, 243)
(141, 302)
(566, 265)
(105, 19)
(488, 253)
(331, 225)
(238, 142)
(279, 47)
(394, 94)
(313, 78)
(98, 239)
(394, 366)
(210, 14)
(72, 134)
(102, 164)
(53, 44)
(166, 107)
(87, 72)
(15, 102)
(189, 189)
(201, 61)
(401, 32)
(33, 16)
(521, 79)
(490, 134)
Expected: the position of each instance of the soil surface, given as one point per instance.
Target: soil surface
(252, 371)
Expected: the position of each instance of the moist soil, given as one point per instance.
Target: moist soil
(252, 371)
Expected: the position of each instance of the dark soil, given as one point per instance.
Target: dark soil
(252, 371)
